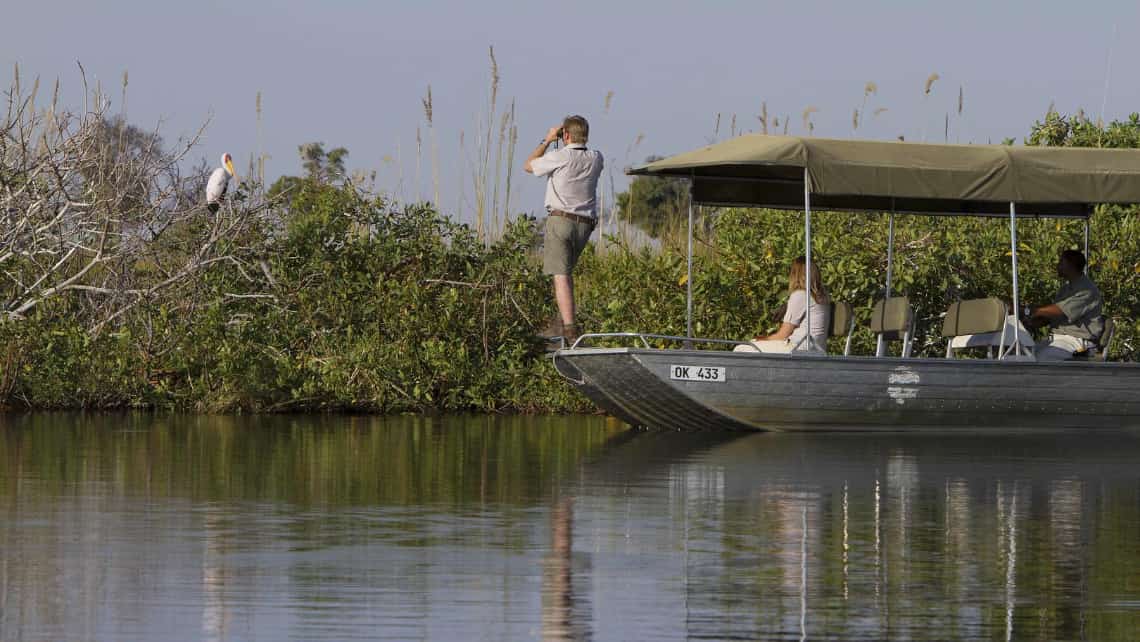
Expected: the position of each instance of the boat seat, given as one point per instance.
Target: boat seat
(843, 323)
(892, 319)
(978, 321)
(1100, 352)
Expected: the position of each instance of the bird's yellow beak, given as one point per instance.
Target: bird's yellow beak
(230, 169)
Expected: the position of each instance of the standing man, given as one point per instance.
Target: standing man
(571, 205)
(1075, 317)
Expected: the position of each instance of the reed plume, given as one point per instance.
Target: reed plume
(429, 114)
(511, 144)
(930, 83)
(716, 128)
(633, 146)
(870, 88)
(511, 141)
(763, 117)
(808, 111)
(400, 169)
(501, 141)
(607, 102)
(462, 172)
(260, 149)
(925, 94)
(961, 91)
(482, 171)
(126, 81)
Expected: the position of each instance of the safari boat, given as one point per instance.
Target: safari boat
(703, 384)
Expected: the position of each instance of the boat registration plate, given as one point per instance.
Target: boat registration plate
(712, 374)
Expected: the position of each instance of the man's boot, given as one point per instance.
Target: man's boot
(569, 334)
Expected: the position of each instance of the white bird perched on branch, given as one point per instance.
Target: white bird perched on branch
(219, 181)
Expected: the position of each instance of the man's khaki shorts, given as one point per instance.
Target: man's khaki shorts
(565, 239)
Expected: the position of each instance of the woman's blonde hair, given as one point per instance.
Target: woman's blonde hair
(796, 279)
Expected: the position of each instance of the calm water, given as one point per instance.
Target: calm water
(137, 528)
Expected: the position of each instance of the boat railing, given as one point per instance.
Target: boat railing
(644, 337)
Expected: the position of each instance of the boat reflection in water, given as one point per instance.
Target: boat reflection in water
(561, 529)
(878, 536)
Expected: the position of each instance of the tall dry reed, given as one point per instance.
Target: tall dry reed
(429, 115)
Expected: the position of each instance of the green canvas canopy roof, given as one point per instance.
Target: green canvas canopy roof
(758, 170)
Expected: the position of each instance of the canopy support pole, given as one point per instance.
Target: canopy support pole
(1086, 239)
(689, 271)
(807, 258)
(1013, 253)
(881, 343)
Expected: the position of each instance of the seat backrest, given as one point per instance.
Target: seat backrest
(841, 316)
(891, 316)
(1106, 338)
(974, 316)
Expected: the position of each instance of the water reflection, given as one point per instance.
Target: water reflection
(561, 529)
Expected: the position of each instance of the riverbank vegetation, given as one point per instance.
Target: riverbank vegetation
(119, 289)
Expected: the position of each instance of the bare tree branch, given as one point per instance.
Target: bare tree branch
(96, 212)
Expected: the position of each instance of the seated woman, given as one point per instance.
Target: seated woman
(793, 330)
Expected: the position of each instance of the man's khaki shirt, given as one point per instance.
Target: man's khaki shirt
(1081, 302)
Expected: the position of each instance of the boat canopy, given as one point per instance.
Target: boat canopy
(758, 170)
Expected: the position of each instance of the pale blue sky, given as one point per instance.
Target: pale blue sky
(351, 73)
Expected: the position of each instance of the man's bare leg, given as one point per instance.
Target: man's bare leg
(564, 297)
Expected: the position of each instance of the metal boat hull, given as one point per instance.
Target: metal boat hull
(794, 392)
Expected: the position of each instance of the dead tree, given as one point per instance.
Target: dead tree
(97, 214)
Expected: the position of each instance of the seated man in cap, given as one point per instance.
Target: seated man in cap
(1075, 315)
